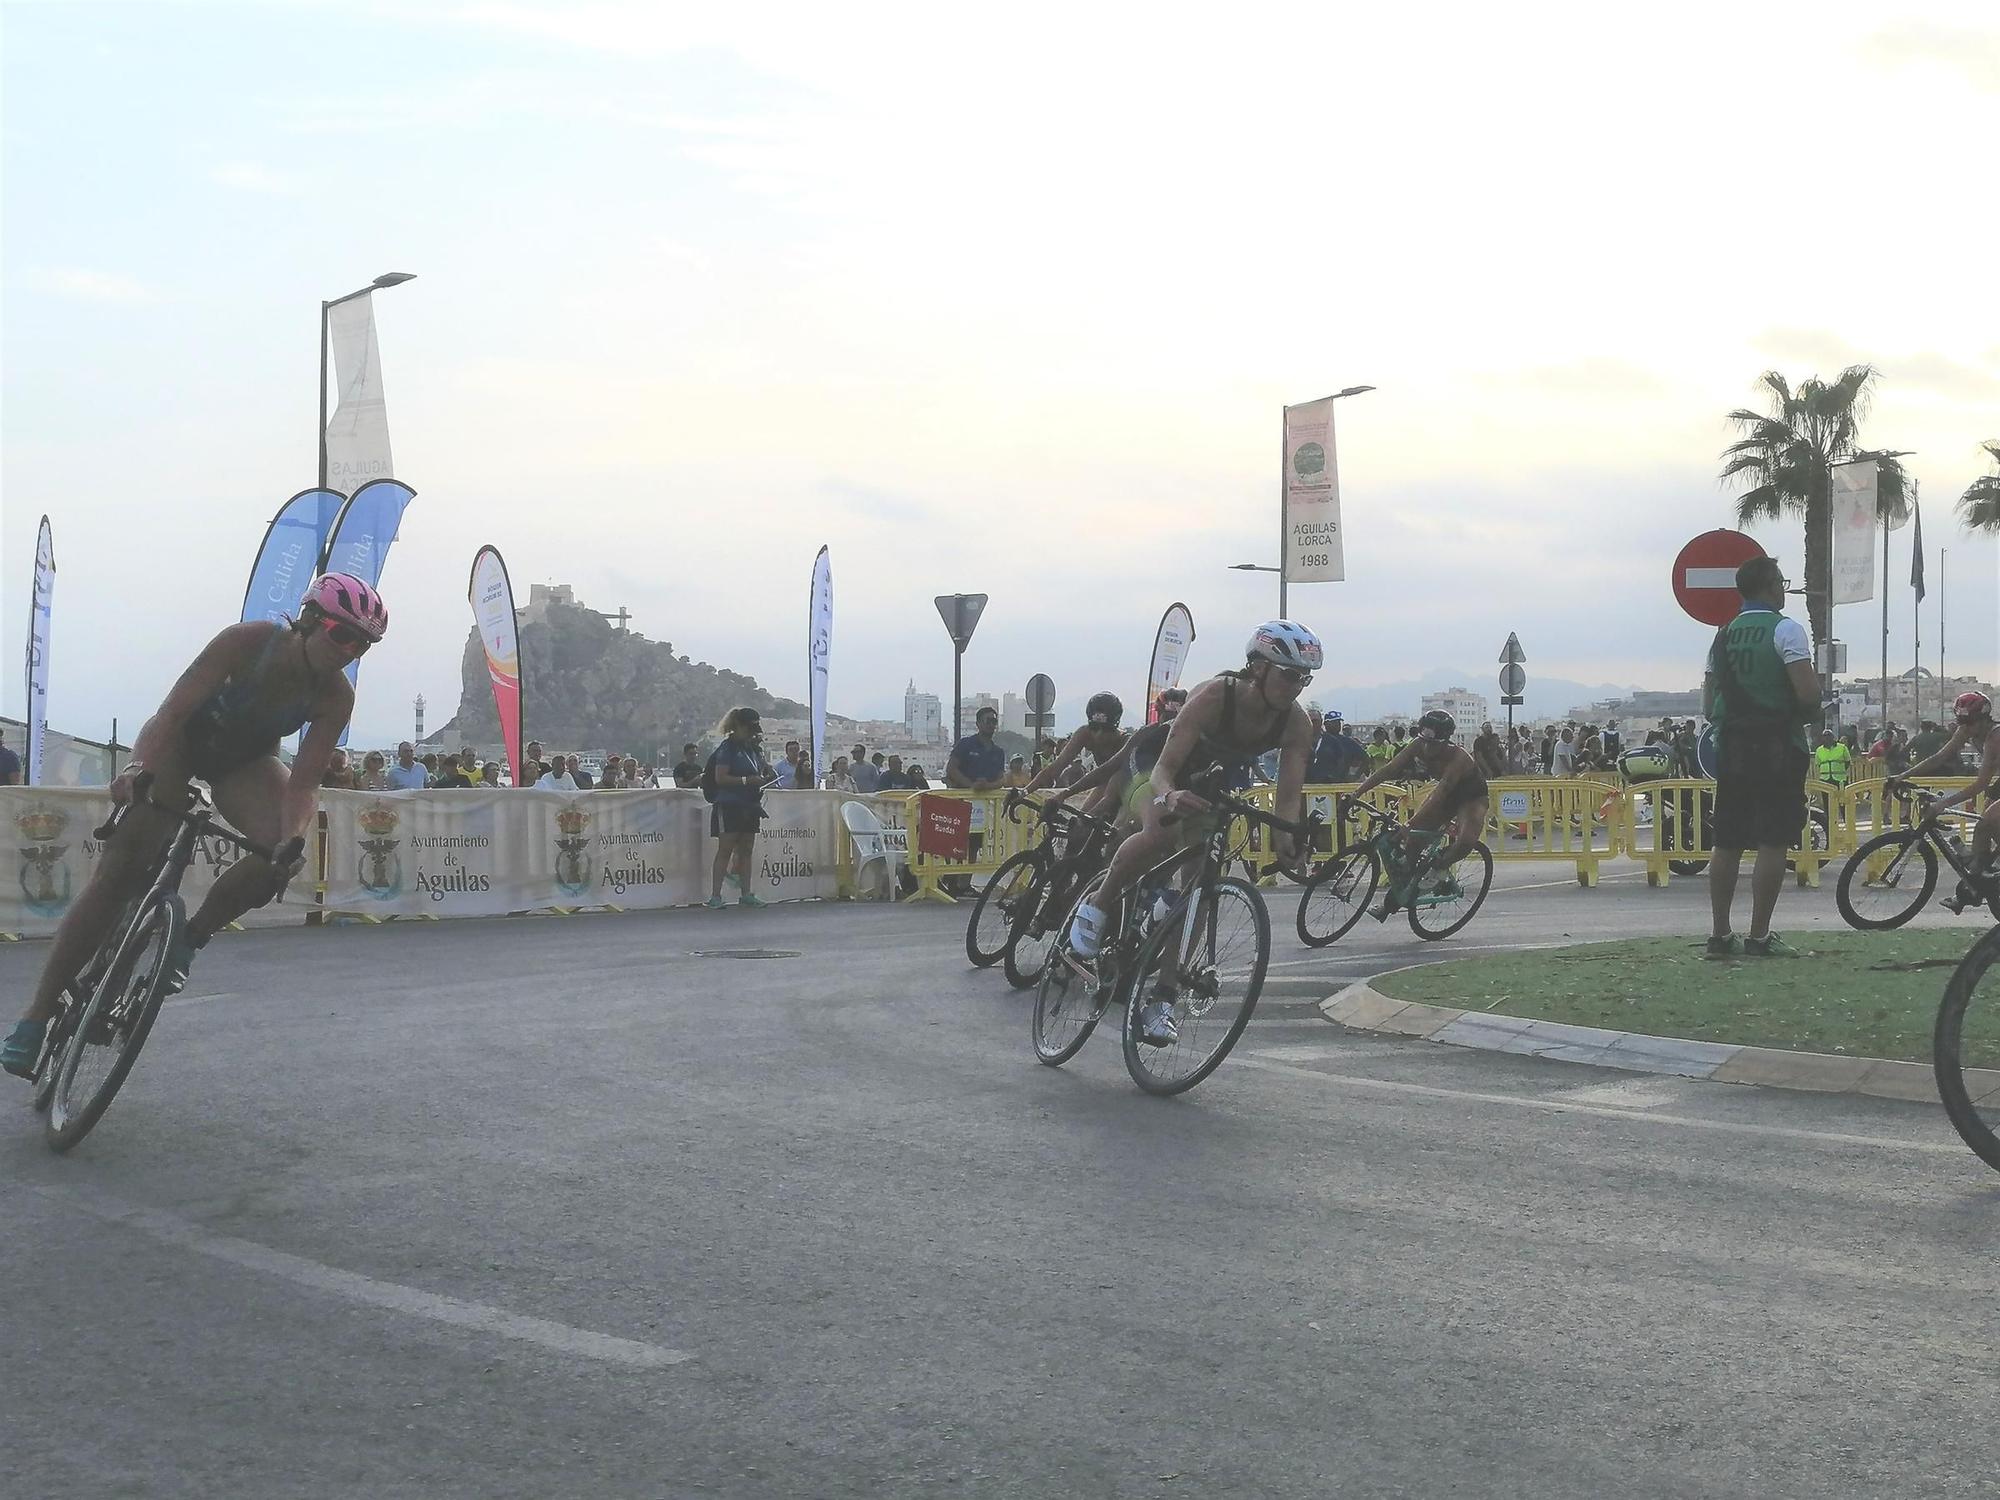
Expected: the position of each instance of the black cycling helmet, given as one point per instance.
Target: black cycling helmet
(1438, 724)
(1103, 711)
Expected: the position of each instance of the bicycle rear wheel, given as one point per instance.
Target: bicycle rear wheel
(1034, 935)
(1207, 965)
(1337, 896)
(1070, 1000)
(114, 1023)
(1007, 894)
(1434, 918)
(1965, 1049)
(1887, 881)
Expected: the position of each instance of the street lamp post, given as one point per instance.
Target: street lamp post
(1284, 530)
(387, 279)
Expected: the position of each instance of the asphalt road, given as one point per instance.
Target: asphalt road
(552, 1207)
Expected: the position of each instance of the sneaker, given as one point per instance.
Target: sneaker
(715, 903)
(1086, 932)
(180, 960)
(1156, 1025)
(751, 898)
(23, 1048)
(1724, 947)
(1772, 946)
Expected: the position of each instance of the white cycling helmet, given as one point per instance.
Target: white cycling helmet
(1287, 643)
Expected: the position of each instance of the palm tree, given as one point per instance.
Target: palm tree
(1789, 457)
(1980, 504)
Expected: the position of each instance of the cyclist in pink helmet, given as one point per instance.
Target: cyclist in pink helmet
(221, 724)
(1974, 729)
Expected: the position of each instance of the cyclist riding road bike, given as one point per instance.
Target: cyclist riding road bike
(1100, 735)
(1460, 797)
(1972, 716)
(1109, 782)
(251, 686)
(1229, 720)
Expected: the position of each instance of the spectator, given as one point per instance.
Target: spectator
(581, 777)
(449, 775)
(1613, 743)
(788, 768)
(633, 777)
(406, 775)
(882, 782)
(1563, 759)
(915, 780)
(1548, 753)
(10, 764)
(1759, 691)
(804, 776)
(1380, 751)
(840, 779)
(374, 772)
(687, 770)
(338, 774)
(895, 779)
(866, 778)
(1833, 759)
(1486, 752)
(534, 753)
(1017, 772)
(489, 774)
(556, 779)
(1336, 756)
(1687, 751)
(737, 769)
(610, 778)
(977, 764)
(468, 764)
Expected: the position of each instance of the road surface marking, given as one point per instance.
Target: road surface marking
(1550, 885)
(1631, 1093)
(393, 1296)
(1302, 1051)
(1549, 1105)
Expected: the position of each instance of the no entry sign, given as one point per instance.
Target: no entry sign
(1705, 575)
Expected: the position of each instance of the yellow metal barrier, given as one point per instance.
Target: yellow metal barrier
(1551, 820)
(996, 840)
(1679, 812)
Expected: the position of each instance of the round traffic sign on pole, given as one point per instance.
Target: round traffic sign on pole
(1513, 677)
(1041, 693)
(1705, 575)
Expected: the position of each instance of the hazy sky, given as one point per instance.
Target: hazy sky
(1003, 300)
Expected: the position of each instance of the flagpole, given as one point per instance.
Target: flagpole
(1917, 605)
(1885, 626)
(1943, 553)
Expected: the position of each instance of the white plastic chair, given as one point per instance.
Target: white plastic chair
(871, 848)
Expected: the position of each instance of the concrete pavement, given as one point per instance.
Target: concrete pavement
(552, 1207)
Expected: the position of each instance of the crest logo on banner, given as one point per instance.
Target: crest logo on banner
(381, 856)
(1310, 458)
(42, 860)
(575, 865)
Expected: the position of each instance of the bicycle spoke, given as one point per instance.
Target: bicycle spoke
(1209, 969)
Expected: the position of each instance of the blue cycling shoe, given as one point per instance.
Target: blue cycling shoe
(23, 1048)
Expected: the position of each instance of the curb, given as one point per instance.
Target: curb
(1361, 1007)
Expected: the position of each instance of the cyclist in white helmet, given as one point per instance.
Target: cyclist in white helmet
(1228, 721)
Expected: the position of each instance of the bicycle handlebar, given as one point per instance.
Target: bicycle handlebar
(1047, 811)
(142, 791)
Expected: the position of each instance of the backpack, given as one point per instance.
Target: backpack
(707, 782)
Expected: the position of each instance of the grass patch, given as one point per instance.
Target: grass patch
(1861, 994)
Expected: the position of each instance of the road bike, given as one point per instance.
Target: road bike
(1889, 879)
(1965, 1049)
(108, 1010)
(1439, 900)
(1015, 919)
(1197, 948)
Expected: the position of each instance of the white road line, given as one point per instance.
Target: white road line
(1559, 1105)
(1550, 885)
(1422, 953)
(1302, 1051)
(409, 1300)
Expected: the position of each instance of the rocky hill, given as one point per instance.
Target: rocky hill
(585, 684)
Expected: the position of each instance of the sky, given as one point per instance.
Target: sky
(987, 301)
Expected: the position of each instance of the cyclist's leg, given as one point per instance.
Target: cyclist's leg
(1465, 832)
(120, 874)
(251, 798)
(1986, 837)
(1150, 843)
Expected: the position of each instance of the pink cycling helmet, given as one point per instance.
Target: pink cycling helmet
(343, 597)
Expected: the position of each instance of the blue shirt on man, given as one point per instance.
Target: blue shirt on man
(980, 759)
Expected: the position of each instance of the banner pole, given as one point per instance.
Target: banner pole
(1284, 526)
(1885, 626)
(322, 392)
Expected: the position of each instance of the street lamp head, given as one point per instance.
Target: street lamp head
(1352, 390)
(394, 278)
(1251, 568)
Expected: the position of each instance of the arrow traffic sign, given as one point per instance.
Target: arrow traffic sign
(960, 613)
(1705, 575)
(1512, 652)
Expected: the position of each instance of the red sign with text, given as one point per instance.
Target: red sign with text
(944, 827)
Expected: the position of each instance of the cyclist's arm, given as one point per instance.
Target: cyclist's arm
(1201, 713)
(1289, 801)
(322, 736)
(219, 659)
(1102, 774)
(1072, 747)
(1946, 753)
(1989, 768)
(1395, 763)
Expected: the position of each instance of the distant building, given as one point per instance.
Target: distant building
(1915, 695)
(1013, 713)
(1467, 709)
(1640, 705)
(923, 716)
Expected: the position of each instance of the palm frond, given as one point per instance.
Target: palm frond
(1979, 506)
(1764, 503)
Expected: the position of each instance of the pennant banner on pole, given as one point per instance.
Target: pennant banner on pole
(1170, 650)
(357, 434)
(492, 597)
(38, 655)
(819, 647)
(1313, 551)
(289, 556)
(1852, 516)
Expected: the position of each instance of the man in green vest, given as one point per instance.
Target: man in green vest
(1760, 692)
(1832, 759)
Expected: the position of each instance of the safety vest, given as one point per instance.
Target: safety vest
(1832, 761)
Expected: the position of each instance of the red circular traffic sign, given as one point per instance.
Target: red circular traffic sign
(1705, 575)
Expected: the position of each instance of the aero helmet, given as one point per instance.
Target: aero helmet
(346, 599)
(1969, 706)
(1438, 724)
(1286, 643)
(1104, 710)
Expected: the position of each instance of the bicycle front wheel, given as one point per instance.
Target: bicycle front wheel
(1008, 895)
(114, 1023)
(1334, 900)
(1887, 880)
(1206, 967)
(1453, 899)
(1034, 936)
(1965, 1049)
(1070, 1000)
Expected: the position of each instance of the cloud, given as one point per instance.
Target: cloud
(1961, 49)
(93, 286)
(1595, 375)
(248, 177)
(1809, 346)
(1945, 377)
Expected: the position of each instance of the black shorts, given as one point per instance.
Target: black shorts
(733, 817)
(1760, 793)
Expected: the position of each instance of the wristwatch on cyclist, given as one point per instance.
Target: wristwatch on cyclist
(1165, 799)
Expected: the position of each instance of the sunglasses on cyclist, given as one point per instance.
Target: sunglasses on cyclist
(1296, 675)
(347, 638)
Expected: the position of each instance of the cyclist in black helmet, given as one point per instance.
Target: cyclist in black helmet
(1100, 735)
(1460, 797)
